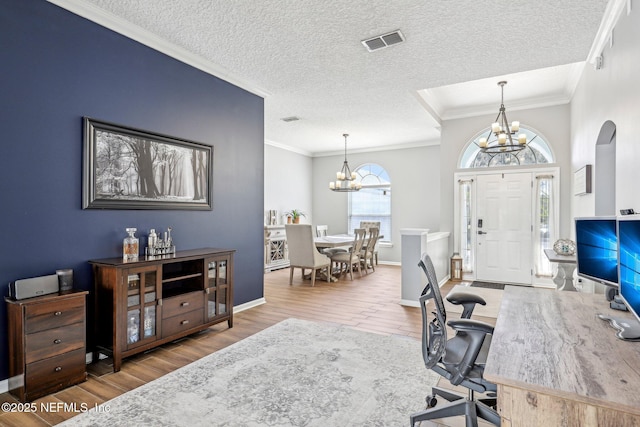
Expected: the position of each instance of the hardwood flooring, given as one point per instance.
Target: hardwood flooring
(369, 303)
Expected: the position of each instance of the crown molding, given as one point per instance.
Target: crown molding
(611, 16)
(121, 26)
(288, 148)
(420, 144)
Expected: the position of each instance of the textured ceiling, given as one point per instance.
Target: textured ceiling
(307, 57)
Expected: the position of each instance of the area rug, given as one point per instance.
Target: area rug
(493, 297)
(295, 373)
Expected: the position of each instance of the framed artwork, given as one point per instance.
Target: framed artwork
(582, 181)
(127, 168)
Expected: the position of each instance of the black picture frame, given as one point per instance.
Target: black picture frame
(128, 168)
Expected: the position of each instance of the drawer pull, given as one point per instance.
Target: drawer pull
(57, 313)
(184, 322)
(184, 304)
(58, 368)
(57, 341)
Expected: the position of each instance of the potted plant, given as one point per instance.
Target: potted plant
(294, 215)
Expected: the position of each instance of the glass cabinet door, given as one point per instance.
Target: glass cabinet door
(142, 299)
(217, 289)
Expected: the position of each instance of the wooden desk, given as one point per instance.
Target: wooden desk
(556, 363)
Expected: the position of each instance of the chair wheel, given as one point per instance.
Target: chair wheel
(431, 401)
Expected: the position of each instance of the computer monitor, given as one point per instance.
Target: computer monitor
(629, 264)
(597, 249)
(628, 229)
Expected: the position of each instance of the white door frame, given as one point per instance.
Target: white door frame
(471, 174)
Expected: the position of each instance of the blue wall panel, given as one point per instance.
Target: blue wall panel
(56, 68)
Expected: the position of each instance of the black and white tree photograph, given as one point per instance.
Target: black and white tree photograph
(132, 169)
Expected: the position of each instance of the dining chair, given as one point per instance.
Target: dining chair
(353, 256)
(321, 230)
(303, 253)
(367, 225)
(367, 250)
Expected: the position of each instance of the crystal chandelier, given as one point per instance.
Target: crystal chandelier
(500, 138)
(345, 179)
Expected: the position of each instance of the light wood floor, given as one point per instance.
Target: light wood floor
(369, 303)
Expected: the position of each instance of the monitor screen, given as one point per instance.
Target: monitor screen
(629, 253)
(597, 249)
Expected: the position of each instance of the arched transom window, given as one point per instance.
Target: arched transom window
(536, 152)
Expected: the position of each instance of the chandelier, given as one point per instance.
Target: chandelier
(345, 179)
(500, 138)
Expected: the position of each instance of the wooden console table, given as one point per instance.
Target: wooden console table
(556, 363)
(143, 304)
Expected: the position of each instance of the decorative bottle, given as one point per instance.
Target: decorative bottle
(132, 330)
(130, 246)
(152, 242)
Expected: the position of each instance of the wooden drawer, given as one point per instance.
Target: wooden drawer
(177, 324)
(54, 341)
(55, 373)
(39, 317)
(182, 304)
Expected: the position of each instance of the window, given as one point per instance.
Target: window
(544, 224)
(466, 230)
(537, 152)
(373, 201)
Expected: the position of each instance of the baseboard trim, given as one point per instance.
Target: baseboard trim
(4, 386)
(248, 305)
(409, 303)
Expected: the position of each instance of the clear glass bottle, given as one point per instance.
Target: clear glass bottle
(133, 329)
(130, 246)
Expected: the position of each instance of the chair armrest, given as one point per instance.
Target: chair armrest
(465, 297)
(467, 300)
(466, 325)
(469, 339)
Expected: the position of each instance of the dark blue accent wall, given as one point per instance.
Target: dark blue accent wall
(55, 68)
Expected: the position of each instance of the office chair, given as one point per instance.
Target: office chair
(460, 359)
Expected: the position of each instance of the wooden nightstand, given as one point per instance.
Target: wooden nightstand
(47, 343)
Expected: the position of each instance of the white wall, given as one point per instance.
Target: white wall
(287, 182)
(551, 122)
(611, 93)
(415, 191)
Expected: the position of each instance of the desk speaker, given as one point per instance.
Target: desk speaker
(33, 287)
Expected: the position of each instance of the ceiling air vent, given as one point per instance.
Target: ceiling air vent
(290, 119)
(382, 41)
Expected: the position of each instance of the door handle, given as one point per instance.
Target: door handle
(482, 232)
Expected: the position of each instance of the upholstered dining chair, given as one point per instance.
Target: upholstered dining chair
(367, 225)
(353, 256)
(303, 253)
(367, 250)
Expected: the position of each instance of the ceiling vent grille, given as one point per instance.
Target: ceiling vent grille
(384, 40)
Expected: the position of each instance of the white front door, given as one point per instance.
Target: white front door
(504, 227)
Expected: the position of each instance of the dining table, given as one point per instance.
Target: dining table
(333, 241)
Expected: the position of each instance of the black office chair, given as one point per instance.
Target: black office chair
(460, 359)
